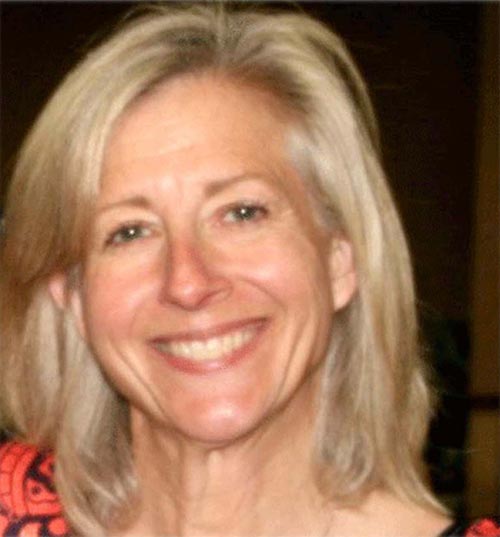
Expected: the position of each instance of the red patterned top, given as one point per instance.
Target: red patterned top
(29, 506)
(486, 527)
(28, 501)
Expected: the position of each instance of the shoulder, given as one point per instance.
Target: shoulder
(389, 516)
(28, 501)
(406, 518)
(484, 527)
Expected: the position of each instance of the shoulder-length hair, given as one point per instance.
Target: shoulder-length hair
(376, 403)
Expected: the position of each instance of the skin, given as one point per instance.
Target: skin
(202, 228)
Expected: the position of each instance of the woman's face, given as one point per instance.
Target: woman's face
(206, 290)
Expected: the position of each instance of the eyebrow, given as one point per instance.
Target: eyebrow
(211, 189)
(219, 185)
(134, 201)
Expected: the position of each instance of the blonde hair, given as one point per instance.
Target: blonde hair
(376, 403)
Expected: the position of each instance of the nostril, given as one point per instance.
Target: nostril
(193, 279)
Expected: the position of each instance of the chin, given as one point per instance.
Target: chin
(221, 424)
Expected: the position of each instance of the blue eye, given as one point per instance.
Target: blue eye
(127, 233)
(245, 213)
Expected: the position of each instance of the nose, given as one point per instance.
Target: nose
(192, 275)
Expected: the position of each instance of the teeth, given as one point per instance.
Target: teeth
(208, 349)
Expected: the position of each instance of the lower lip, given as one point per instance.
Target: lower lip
(213, 366)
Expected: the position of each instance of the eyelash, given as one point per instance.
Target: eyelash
(237, 214)
(245, 212)
(122, 234)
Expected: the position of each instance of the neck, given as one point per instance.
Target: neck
(261, 484)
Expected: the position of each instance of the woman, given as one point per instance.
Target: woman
(207, 306)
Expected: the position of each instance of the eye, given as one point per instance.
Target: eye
(127, 233)
(245, 212)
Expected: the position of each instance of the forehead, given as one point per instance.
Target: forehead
(195, 120)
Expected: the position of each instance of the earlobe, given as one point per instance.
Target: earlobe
(342, 273)
(68, 298)
(57, 286)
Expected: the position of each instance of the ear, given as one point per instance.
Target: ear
(342, 272)
(67, 297)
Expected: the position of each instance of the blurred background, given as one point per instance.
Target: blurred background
(433, 73)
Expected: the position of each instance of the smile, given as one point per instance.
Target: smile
(213, 348)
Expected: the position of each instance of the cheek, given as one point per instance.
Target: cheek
(114, 291)
(288, 265)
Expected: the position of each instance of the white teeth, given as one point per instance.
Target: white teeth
(208, 349)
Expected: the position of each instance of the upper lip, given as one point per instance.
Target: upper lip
(210, 331)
